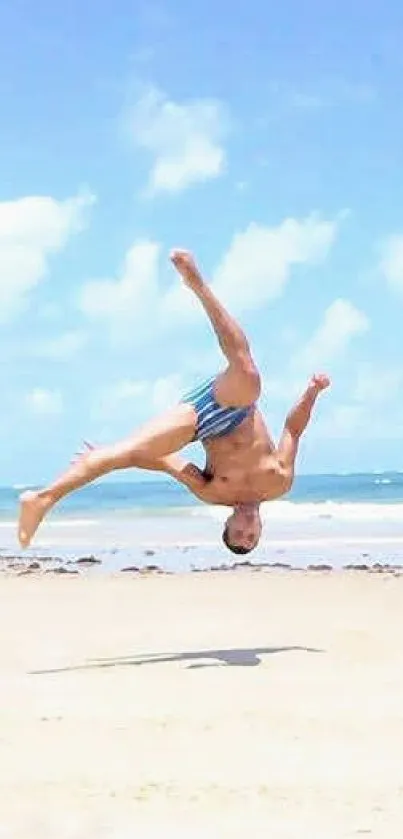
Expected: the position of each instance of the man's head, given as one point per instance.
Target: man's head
(243, 529)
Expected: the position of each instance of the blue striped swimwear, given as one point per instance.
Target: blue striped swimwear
(212, 419)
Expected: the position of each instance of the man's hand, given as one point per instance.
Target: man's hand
(184, 263)
(320, 381)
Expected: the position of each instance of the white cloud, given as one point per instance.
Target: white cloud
(392, 262)
(376, 384)
(257, 265)
(44, 402)
(374, 389)
(341, 323)
(139, 397)
(111, 401)
(124, 302)
(31, 230)
(183, 139)
(341, 423)
(63, 347)
(166, 391)
(253, 271)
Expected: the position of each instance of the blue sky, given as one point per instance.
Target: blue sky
(266, 137)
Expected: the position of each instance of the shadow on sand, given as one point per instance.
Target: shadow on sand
(249, 657)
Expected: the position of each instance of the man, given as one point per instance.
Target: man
(244, 467)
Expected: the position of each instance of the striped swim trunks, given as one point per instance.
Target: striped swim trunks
(212, 419)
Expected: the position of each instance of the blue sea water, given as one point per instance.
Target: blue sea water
(325, 518)
(167, 497)
(159, 497)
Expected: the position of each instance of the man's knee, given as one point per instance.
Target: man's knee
(249, 377)
(240, 385)
(253, 384)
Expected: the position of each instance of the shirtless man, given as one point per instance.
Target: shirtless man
(244, 467)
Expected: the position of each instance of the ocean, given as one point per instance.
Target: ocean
(325, 519)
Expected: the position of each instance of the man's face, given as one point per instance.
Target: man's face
(244, 528)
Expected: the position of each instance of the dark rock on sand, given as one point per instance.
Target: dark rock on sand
(385, 568)
(88, 560)
(61, 570)
(222, 567)
(30, 569)
(358, 567)
(147, 569)
(48, 559)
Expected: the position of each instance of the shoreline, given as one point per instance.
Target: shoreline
(90, 565)
(110, 545)
(108, 557)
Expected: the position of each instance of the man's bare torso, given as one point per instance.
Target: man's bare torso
(243, 466)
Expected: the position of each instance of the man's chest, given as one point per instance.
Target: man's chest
(239, 484)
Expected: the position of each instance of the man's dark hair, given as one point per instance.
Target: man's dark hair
(236, 549)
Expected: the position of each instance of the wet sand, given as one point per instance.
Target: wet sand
(214, 705)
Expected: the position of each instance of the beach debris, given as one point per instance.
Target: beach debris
(385, 568)
(41, 558)
(222, 567)
(320, 567)
(88, 560)
(61, 569)
(358, 567)
(146, 569)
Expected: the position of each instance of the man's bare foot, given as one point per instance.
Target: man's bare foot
(184, 263)
(320, 381)
(33, 507)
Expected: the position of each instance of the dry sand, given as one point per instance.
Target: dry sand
(209, 705)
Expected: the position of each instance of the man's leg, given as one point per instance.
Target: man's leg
(158, 438)
(240, 384)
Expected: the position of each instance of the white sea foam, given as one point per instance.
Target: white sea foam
(280, 511)
(289, 511)
(58, 523)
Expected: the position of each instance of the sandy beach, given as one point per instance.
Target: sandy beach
(215, 705)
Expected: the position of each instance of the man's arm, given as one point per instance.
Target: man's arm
(296, 423)
(186, 473)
